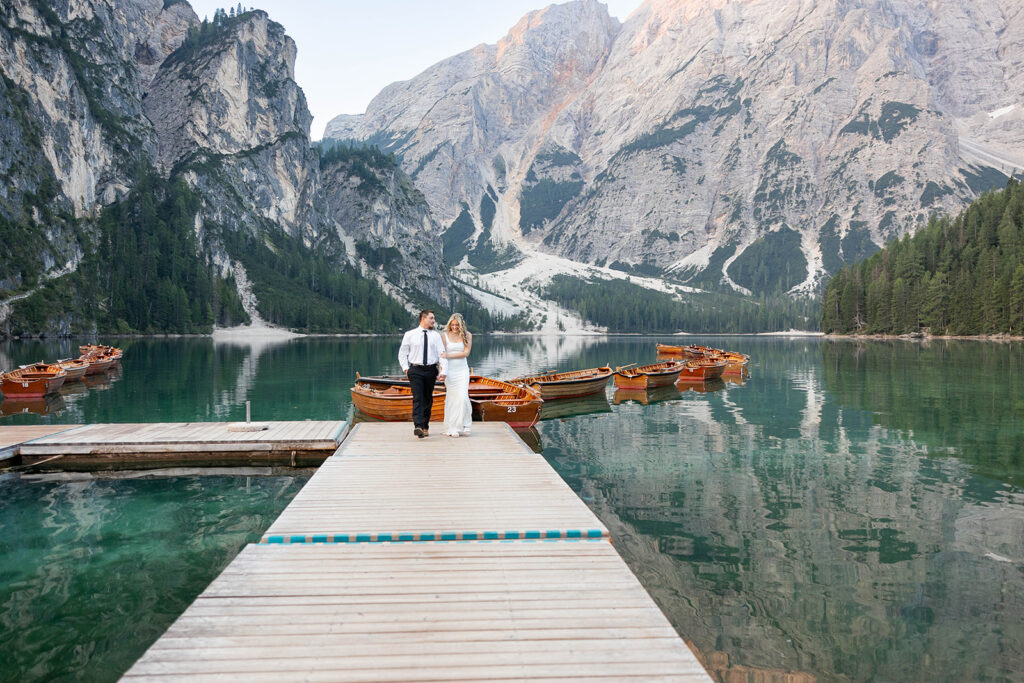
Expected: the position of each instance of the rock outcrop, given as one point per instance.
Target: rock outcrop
(97, 95)
(743, 143)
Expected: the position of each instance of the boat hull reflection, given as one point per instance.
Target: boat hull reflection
(646, 397)
(571, 407)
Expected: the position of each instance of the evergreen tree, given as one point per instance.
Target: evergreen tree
(956, 276)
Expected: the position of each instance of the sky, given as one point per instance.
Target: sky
(349, 50)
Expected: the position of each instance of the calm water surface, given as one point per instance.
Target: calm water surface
(853, 511)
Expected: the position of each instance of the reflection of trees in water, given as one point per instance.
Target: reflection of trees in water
(964, 398)
(786, 533)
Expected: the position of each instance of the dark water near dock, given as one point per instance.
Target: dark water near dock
(853, 511)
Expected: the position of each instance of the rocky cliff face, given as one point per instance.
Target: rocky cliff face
(749, 144)
(93, 91)
(386, 222)
(72, 122)
(229, 116)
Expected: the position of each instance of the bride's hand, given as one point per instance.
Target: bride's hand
(444, 354)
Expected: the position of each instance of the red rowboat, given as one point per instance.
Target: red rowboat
(701, 370)
(648, 376)
(32, 381)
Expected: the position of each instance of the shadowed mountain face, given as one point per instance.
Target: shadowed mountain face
(130, 129)
(751, 143)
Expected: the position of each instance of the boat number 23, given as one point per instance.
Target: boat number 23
(511, 409)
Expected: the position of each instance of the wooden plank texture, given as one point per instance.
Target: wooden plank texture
(486, 486)
(437, 559)
(338, 612)
(18, 434)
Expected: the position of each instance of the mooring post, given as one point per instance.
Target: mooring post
(248, 415)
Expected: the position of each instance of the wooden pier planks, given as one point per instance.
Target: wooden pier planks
(160, 444)
(424, 612)
(486, 486)
(312, 608)
(12, 436)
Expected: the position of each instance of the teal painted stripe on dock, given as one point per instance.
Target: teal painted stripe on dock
(340, 431)
(426, 537)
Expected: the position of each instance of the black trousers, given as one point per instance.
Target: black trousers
(422, 380)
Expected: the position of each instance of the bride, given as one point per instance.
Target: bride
(458, 412)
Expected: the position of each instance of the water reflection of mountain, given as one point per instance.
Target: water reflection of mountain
(961, 398)
(785, 533)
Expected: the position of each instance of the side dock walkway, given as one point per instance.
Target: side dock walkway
(426, 560)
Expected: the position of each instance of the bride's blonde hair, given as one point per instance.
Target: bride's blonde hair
(463, 332)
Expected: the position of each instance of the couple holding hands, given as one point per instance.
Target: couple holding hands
(427, 357)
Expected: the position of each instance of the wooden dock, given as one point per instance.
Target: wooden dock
(105, 446)
(426, 560)
(11, 437)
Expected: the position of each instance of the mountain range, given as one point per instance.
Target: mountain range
(745, 149)
(749, 145)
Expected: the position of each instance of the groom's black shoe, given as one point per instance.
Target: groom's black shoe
(419, 432)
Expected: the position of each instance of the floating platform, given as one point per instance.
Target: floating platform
(433, 559)
(143, 446)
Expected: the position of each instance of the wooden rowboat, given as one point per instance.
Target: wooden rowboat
(648, 376)
(32, 381)
(670, 351)
(99, 350)
(497, 401)
(736, 363)
(567, 384)
(392, 403)
(701, 370)
(75, 367)
(389, 397)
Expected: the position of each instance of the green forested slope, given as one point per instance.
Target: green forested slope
(622, 306)
(957, 276)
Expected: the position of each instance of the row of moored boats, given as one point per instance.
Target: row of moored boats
(518, 401)
(39, 379)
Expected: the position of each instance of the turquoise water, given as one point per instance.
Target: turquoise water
(853, 511)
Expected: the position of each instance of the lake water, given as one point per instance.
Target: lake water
(852, 511)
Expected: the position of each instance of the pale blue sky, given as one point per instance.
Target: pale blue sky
(349, 50)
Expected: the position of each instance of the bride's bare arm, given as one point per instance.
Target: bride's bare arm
(461, 354)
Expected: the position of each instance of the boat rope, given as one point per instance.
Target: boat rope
(18, 468)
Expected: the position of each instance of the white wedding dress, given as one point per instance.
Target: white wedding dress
(458, 411)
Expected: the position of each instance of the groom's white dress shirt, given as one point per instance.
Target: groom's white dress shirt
(411, 350)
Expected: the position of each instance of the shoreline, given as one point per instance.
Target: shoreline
(926, 337)
(275, 334)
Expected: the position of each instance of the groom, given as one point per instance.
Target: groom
(420, 356)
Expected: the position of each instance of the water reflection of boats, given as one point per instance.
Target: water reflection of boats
(102, 381)
(646, 397)
(708, 387)
(571, 407)
(738, 380)
(42, 405)
(531, 437)
(74, 389)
